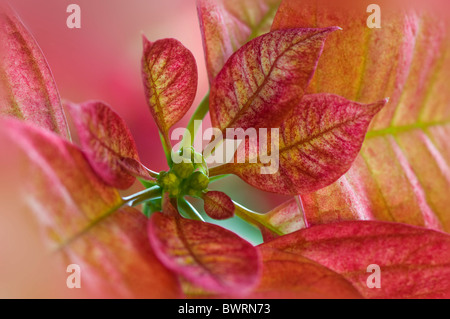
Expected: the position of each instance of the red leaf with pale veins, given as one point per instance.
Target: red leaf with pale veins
(218, 205)
(402, 173)
(75, 209)
(414, 262)
(27, 88)
(117, 259)
(207, 255)
(318, 144)
(108, 144)
(266, 78)
(226, 25)
(291, 276)
(170, 76)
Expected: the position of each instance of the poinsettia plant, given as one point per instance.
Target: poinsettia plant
(316, 75)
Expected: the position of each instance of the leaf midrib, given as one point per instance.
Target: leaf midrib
(37, 72)
(266, 78)
(405, 129)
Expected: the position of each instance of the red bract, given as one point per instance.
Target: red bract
(170, 78)
(218, 205)
(207, 255)
(75, 208)
(265, 79)
(413, 261)
(109, 145)
(226, 25)
(287, 275)
(73, 191)
(402, 171)
(318, 143)
(27, 89)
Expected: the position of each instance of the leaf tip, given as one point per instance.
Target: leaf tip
(146, 43)
(377, 106)
(332, 29)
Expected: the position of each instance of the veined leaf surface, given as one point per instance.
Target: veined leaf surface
(108, 144)
(413, 262)
(402, 172)
(82, 217)
(170, 77)
(318, 143)
(266, 78)
(207, 255)
(27, 88)
(226, 25)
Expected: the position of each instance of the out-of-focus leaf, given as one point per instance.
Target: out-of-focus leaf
(207, 255)
(403, 172)
(218, 205)
(108, 144)
(27, 88)
(286, 275)
(226, 25)
(170, 76)
(266, 78)
(414, 262)
(284, 219)
(318, 143)
(78, 215)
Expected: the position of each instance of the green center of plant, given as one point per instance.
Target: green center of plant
(185, 178)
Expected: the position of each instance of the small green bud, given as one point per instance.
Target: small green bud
(183, 170)
(169, 182)
(161, 177)
(198, 181)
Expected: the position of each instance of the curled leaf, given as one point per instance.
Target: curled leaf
(218, 205)
(413, 262)
(108, 144)
(170, 76)
(82, 217)
(226, 25)
(318, 144)
(266, 78)
(207, 255)
(27, 88)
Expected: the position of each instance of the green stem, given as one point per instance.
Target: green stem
(150, 172)
(223, 169)
(253, 218)
(189, 210)
(217, 178)
(142, 197)
(199, 115)
(148, 184)
(167, 146)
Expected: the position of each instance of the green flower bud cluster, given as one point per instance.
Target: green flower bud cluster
(182, 179)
